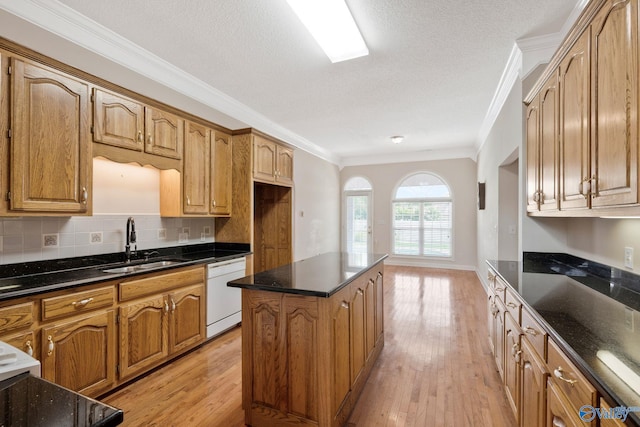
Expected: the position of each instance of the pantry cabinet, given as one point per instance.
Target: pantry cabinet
(50, 151)
(273, 162)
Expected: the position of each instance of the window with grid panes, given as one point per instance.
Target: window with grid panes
(422, 217)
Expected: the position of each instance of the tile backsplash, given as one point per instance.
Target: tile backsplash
(40, 238)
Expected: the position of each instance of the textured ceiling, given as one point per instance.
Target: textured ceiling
(431, 74)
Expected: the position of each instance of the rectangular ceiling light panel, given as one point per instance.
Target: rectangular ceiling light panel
(330, 22)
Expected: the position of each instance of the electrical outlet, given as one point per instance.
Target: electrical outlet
(183, 237)
(628, 319)
(206, 230)
(95, 237)
(162, 234)
(50, 240)
(628, 257)
(203, 236)
(186, 230)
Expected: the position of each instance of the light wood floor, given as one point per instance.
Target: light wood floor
(435, 369)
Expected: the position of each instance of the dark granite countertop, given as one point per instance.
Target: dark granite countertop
(588, 308)
(26, 400)
(30, 278)
(320, 276)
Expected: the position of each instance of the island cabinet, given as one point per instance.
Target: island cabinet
(161, 316)
(50, 151)
(306, 358)
(586, 103)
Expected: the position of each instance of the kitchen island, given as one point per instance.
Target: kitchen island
(311, 333)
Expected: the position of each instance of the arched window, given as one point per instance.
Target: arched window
(422, 217)
(357, 215)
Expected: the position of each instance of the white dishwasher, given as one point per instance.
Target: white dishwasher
(224, 304)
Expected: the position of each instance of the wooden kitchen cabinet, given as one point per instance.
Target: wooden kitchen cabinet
(187, 311)
(512, 363)
(161, 315)
(273, 162)
(574, 157)
(533, 390)
(50, 150)
(196, 172)
(164, 133)
(117, 120)
(614, 90)
(80, 354)
(221, 173)
(305, 358)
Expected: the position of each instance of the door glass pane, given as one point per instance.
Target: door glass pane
(357, 223)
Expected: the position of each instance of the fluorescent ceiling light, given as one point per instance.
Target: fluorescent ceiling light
(331, 24)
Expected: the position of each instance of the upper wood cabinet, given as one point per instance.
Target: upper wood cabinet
(122, 122)
(50, 150)
(221, 173)
(196, 172)
(272, 162)
(614, 113)
(575, 167)
(596, 165)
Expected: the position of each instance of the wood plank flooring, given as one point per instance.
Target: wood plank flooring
(435, 369)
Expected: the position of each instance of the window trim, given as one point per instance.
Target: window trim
(420, 200)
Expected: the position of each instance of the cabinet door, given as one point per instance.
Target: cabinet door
(196, 169)
(575, 166)
(548, 178)
(533, 154)
(500, 342)
(284, 169)
(80, 354)
(533, 398)
(512, 362)
(187, 320)
(221, 173)
(614, 90)
(264, 159)
(117, 121)
(143, 335)
(358, 322)
(370, 317)
(492, 312)
(558, 412)
(341, 338)
(379, 304)
(165, 133)
(50, 146)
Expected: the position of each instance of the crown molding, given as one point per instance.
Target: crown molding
(76, 28)
(410, 156)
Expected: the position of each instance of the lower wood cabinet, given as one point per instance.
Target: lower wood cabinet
(512, 356)
(80, 354)
(306, 358)
(533, 378)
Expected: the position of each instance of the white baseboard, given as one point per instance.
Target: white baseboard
(428, 263)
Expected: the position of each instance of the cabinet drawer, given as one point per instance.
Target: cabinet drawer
(500, 288)
(24, 341)
(567, 378)
(16, 316)
(512, 304)
(534, 333)
(559, 410)
(78, 302)
(160, 282)
(609, 422)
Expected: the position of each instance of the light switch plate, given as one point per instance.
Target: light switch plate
(628, 257)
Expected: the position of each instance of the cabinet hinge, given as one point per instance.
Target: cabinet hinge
(9, 70)
(8, 195)
(9, 133)
(93, 99)
(117, 369)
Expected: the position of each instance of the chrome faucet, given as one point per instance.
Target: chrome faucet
(131, 238)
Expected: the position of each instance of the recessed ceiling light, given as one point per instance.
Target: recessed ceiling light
(330, 22)
(397, 139)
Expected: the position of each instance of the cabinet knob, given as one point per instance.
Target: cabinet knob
(85, 196)
(511, 305)
(149, 139)
(28, 348)
(51, 346)
(344, 304)
(529, 330)
(213, 203)
(140, 136)
(559, 374)
(173, 305)
(188, 201)
(166, 306)
(81, 303)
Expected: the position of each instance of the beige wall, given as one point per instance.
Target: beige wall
(316, 211)
(460, 174)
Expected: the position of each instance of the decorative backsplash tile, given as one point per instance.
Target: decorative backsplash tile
(34, 239)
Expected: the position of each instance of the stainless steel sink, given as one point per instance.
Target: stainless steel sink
(141, 267)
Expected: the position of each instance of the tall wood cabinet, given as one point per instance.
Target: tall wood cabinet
(195, 180)
(50, 150)
(273, 162)
(221, 173)
(595, 119)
